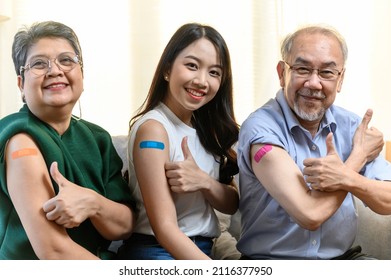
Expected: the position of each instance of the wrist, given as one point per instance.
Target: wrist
(356, 161)
(93, 203)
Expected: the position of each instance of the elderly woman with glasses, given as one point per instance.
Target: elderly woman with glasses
(62, 194)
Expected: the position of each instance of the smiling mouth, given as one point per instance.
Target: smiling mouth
(55, 86)
(195, 93)
(311, 98)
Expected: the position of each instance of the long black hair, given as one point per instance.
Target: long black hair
(214, 122)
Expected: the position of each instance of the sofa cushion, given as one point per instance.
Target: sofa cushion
(374, 232)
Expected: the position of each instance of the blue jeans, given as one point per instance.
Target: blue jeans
(146, 247)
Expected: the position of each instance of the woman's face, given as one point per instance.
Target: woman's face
(194, 79)
(55, 93)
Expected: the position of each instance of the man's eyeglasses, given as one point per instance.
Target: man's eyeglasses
(303, 71)
(40, 65)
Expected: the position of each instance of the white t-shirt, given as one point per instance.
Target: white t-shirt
(195, 215)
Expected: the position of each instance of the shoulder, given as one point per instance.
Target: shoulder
(91, 126)
(267, 118)
(340, 111)
(344, 116)
(154, 122)
(15, 120)
(269, 112)
(151, 128)
(21, 122)
(95, 129)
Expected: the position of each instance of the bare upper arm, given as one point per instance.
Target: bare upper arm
(29, 186)
(149, 163)
(149, 160)
(280, 176)
(284, 181)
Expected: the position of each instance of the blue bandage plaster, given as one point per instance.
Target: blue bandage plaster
(151, 145)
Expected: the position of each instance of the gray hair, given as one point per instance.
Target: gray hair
(26, 37)
(287, 43)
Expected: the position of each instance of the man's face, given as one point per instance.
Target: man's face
(309, 95)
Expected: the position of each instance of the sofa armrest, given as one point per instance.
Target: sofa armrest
(374, 232)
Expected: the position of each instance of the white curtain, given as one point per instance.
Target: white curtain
(122, 41)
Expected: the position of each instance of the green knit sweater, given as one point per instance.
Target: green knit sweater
(85, 156)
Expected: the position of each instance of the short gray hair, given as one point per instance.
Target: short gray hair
(286, 45)
(26, 37)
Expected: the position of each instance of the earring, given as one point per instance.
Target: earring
(80, 114)
(166, 78)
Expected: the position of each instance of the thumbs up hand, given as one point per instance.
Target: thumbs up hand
(328, 173)
(367, 141)
(185, 176)
(70, 207)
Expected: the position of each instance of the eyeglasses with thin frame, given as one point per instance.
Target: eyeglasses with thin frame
(40, 65)
(304, 71)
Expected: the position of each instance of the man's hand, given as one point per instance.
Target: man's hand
(327, 173)
(367, 141)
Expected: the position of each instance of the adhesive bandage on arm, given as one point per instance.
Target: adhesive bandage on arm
(24, 152)
(261, 152)
(151, 145)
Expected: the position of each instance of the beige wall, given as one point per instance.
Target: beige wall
(122, 41)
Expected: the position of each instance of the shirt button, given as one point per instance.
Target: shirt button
(313, 147)
(313, 242)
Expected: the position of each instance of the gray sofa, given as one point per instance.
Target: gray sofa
(374, 232)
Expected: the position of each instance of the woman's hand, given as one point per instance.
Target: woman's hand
(185, 176)
(72, 205)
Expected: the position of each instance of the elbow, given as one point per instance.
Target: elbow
(309, 222)
(50, 252)
(228, 210)
(309, 225)
(129, 229)
(311, 217)
(230, 207)
(121, 229)
(382, 209)
(234, 207)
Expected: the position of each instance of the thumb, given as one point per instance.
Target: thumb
(56, 175)
(367, 118)
(330, 144)
(185, 149)
(50, 205)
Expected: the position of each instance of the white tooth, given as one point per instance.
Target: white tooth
(195, 93)
(54, 86)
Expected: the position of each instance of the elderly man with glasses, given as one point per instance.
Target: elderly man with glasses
(299, 157)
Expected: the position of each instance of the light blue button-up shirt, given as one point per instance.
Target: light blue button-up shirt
(268, 232)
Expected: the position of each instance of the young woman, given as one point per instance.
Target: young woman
(181, 161)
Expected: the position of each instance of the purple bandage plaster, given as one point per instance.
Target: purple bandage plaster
(261, 152)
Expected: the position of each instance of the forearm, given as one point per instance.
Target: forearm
(224, 198)
(113, 220)
(314, 208)
(67, 250)
(178, 244)
(325, 204)
(52, 242)
(374, 193)
(356, 161)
